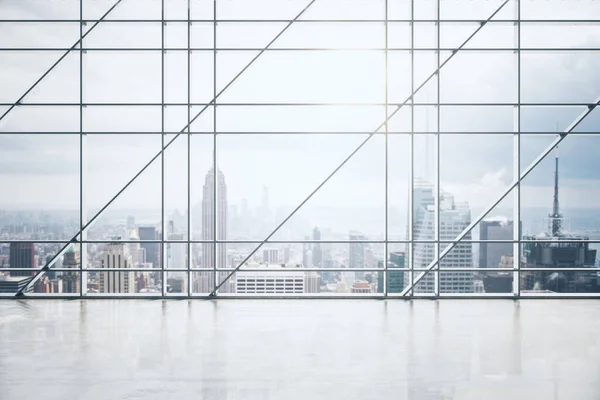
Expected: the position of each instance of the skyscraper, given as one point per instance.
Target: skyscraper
(209, 261)
(176, 255)
(22, 255)
(490, 254)
(317, 255)
(356, 255)
(305, 252)
(116, 255)
(152, 249)
(454, 218)
(71, 282)
(271, 256)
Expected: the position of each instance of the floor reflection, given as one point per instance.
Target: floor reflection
(317, 349)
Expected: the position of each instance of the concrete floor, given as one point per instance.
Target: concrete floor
(299, 349)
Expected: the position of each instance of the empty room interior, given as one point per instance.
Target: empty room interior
(299, 199)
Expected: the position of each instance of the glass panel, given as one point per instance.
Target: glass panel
(202, 187)
(282, 119)
(337, 205)
(134, 9)
(398, 188)
(111, 161)
(399, 35)
(553, 119)
(121, 119)
(560, 35)
(122, 77)
(340, 77)
(494, 35)
(40, 174)
(466, 10)
(469, 185)
(176, 186)
(341, 9)
(559, 77)
(201, 74)
(48, 35)
(176, 35)
(575, 210)
(477, 119)
(176, 77)
(260, 9)
(480, 77)
(109, 35)
(332, 35)
(399, 9)
(33, 9)
(21, 69)
(558, 9)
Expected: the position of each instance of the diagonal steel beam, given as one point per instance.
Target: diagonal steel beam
(361, 145)
(64, 249)
(525, 172)
(16, 103)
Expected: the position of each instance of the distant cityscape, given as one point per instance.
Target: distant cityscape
(115, 262)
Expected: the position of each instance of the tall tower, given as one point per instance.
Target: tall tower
(555, 218)
(209, 232)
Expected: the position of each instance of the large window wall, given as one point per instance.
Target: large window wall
(362, 148)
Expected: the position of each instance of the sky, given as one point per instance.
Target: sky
(43, 170)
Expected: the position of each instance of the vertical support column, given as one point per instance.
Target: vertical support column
(411, 181)
(82, 136)
(215, 165)
(437, 244)
(387, 191)
(190, 252)
(517, 162)
(164, 234)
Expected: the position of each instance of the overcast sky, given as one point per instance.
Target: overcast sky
(43, 171)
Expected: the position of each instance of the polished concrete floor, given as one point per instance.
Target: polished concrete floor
(299, 349)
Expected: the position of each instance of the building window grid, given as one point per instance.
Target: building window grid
(453, 231)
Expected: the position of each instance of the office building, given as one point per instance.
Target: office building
(12, 284)
(22, 255)
(272, 279)
(454, 218)
(490, 254)
(271, 256)
(396, 262)
(317, 254)
(176, 256)
(116, 256)
(71, 282)
(361, 287)
(306, 247)
(356, 255)
(152, 249)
